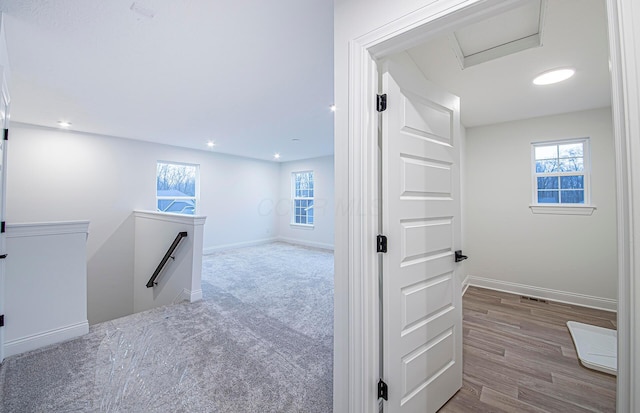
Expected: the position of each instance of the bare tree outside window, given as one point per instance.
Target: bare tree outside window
(561, 172)
(176, 188)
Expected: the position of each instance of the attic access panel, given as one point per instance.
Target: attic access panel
(507, 33)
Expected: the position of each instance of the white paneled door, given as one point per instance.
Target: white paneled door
(421, 299)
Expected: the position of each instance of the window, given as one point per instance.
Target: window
(561, 172)
(177, 188)
(302, 188)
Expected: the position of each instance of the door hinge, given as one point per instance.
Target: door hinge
(6, 134)
(383, 390)
(381, 103)
(2, 320)
(3, 227)
(381, 244)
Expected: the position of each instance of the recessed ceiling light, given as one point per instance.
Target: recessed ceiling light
(553, 76)
(211, 144)
(64, 124)
(333, 108)
(276, 156)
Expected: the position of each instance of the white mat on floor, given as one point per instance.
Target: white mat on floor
(597, 347)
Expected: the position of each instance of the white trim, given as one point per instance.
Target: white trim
(188, 295)
(36, 229)
(624, 30)
(182, 296)
(39, 340)
(170, 217)
(362, 348)
(566, 297)
(302, 226)
(224, 247)
(465, 284)
(195, 295)
(565, 209)
(313, 244)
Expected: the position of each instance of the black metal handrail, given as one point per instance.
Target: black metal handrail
(174, 245)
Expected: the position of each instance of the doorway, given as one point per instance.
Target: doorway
(406, 33)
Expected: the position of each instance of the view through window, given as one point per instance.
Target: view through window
(302, 188)
(177, 188)
(561, 172)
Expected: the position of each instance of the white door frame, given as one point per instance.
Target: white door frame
(356, 358)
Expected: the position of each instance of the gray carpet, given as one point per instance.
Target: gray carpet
(260, 341)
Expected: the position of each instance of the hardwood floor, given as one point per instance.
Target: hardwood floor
(519, 357)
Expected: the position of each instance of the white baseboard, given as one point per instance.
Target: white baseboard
(195, 295)
(40, 340)
(544, 293)
(294, 241)
(183, 295)
(211, 250)
(188, 295)
(465, 284)
(304, 243)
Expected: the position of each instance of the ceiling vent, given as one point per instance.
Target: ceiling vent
(507, 33)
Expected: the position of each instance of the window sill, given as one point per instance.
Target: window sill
(302, 226)
(563, 209)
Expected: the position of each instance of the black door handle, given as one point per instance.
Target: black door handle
(459, 256)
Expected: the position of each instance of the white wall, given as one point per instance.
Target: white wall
(46, 284)
(180, 278)
(507, 242)
(321, 235)
(56, 175)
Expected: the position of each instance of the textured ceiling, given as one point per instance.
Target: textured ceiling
(249, 75)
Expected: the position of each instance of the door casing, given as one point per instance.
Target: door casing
(356, 358)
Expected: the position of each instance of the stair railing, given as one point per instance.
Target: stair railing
(152, 281)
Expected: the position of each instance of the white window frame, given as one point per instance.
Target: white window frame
(195, 198)
(295, 198)
(585, 208)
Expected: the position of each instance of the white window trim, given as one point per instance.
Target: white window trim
(301, 226)
(195, 198)
(563, 209)
(556, 209)
(292, 223)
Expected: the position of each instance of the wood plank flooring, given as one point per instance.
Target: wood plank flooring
(519, 357)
